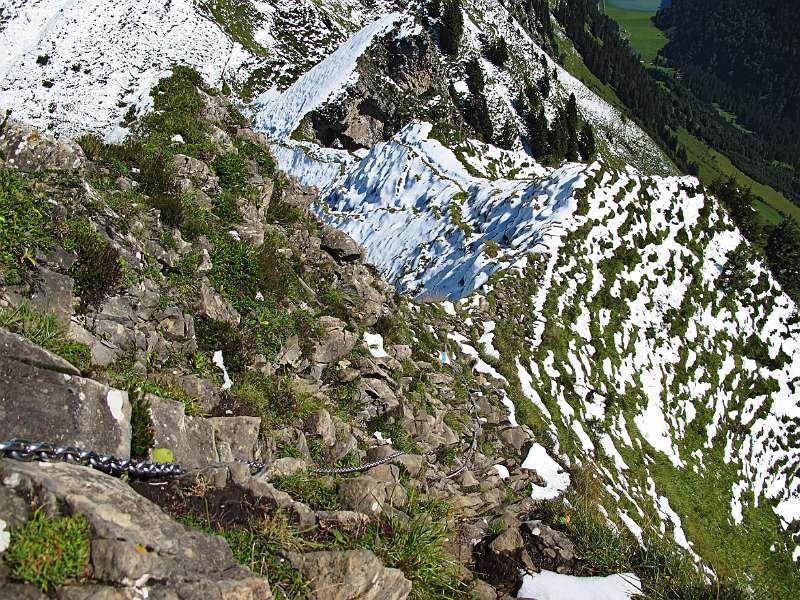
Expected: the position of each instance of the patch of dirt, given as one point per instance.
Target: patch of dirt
(192, 497)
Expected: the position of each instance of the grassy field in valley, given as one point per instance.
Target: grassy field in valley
(643, 36)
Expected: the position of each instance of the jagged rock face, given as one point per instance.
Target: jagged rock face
(397, 77)
(30, 150)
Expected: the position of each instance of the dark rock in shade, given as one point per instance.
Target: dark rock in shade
(134, 544)
(191, 439)
(350, 575)
(339, 245)
(14, 509)
(30, 150)
(552, 550)
(43, 398)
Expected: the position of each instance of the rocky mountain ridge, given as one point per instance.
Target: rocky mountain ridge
(611, 325)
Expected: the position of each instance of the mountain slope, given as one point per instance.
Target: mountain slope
(613, 310)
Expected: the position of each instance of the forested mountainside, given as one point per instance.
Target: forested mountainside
(480, 337)
(744, 56)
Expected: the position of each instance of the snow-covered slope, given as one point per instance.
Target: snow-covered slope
(634, 359)
(78, 65)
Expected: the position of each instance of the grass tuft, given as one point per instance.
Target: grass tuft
(24, 221)
(49, 551)
(416, 547)
(45, 331)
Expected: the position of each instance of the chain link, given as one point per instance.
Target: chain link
(42, 451)
(28, 451)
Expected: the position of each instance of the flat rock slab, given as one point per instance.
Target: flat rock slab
(191, 439)
(132, 539)
(350, 575)
(43, 398)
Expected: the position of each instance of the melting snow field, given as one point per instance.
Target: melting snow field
(553, 586)
(556, 479)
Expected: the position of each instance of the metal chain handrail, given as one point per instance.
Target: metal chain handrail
(27, 451)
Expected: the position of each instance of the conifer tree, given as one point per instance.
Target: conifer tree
(452, 27)
(586, 143)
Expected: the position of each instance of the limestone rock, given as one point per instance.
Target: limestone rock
(319, 423)
(236, 437)
(363, 494)
(52, 294)
(43, 398)
(30, 150)
(195, 173)
(339, 245)
(191, 439)
(209, 303)
(285, 466)
(350, 575)
(203, 390)
(336, 342)
(132, 539)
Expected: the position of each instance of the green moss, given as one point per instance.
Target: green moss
(49, 551)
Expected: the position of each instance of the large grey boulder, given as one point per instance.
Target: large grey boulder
(191, 439)
(134, 544)
(336, 341)
(339, 245)
(44, 398)
(350, 575)
(30, 150)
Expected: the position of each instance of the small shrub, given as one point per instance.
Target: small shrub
(42, 59)
(45, 331)
(273, 399)
(491, 248)
(49, 551)
(98, 269)
(232, 173)
(217, 335)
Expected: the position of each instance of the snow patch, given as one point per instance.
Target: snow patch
(547, 585)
